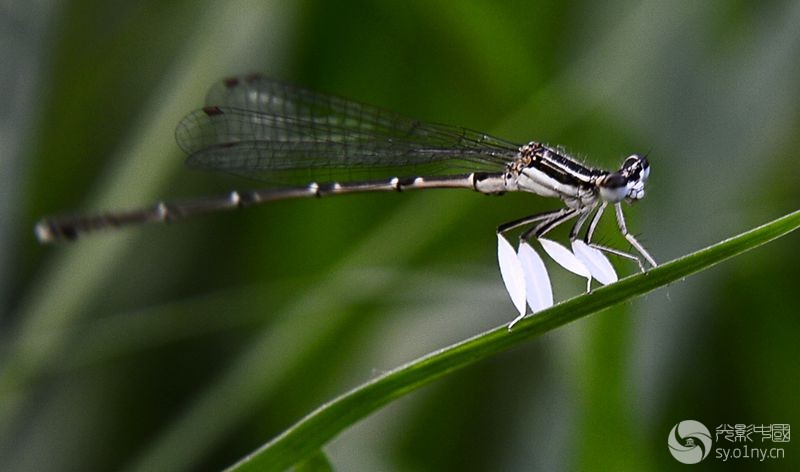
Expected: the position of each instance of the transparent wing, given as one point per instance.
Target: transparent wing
(276, 131)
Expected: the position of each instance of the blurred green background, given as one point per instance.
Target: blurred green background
(185, 347)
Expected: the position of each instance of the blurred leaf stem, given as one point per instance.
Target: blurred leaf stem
(76, 274)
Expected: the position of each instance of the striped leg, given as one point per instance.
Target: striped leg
(590, 232)
(631, 239)
(548, 225)
(564, 257)
(576, 228)
(505, 227)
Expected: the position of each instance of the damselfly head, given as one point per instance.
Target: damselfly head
(635, 170)
(627, 183)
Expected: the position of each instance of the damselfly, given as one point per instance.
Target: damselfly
(285, 134)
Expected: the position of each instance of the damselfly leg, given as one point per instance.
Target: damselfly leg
(624, 230)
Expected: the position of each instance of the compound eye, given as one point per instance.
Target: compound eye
(632, 160)
(635, 160)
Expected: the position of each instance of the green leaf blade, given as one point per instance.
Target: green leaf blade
(307, 436)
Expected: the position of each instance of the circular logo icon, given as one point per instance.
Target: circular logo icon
(689, 442)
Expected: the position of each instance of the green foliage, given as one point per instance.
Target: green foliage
(189, 346)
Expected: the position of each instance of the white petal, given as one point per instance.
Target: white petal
(537, 283)
(511, 271)
(595, 261)
(565, 258)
